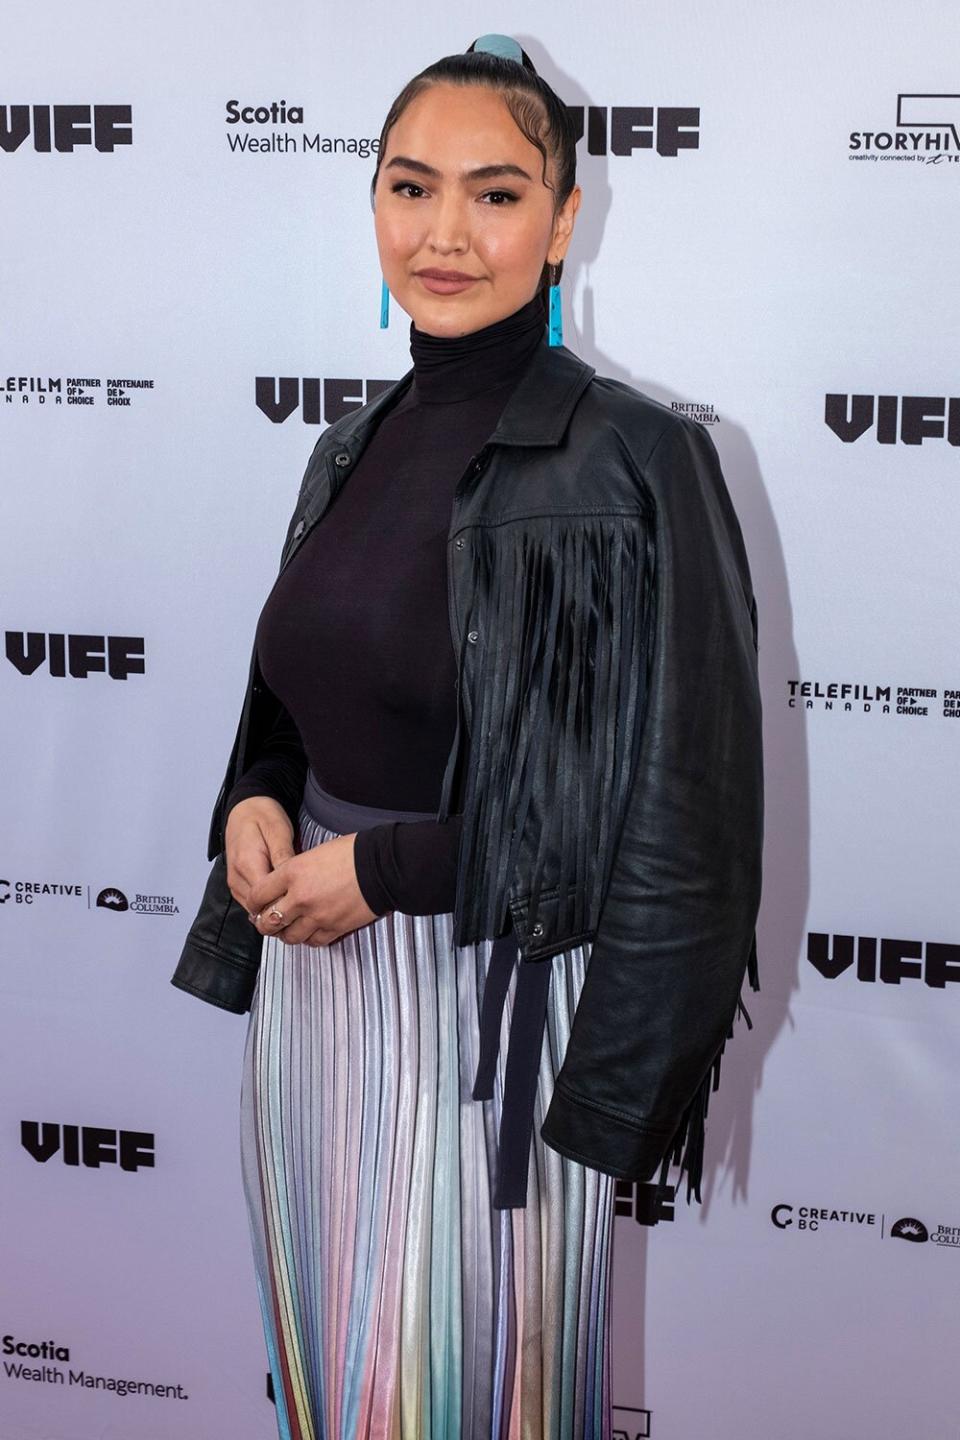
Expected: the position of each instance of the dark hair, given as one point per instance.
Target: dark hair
(536, 108)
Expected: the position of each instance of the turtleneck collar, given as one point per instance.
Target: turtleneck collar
(456, 367)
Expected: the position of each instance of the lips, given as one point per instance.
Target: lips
(445, 282)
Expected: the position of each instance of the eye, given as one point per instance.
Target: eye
(494, 197)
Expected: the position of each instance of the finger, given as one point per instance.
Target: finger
(241, 893)
(268, 923)
(320, 937)
(246, 869)
(252, 864)
(304, 931)
(267, 891)
(279, 842)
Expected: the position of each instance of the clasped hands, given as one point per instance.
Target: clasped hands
(315, 891)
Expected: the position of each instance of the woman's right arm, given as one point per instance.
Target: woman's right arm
(279, 771)
(410, 866)
(262, 834)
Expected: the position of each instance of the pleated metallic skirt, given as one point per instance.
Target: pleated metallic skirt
(397, 1302)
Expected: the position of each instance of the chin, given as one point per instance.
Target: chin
(446, 319)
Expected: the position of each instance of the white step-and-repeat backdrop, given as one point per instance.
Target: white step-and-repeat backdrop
(189, 289)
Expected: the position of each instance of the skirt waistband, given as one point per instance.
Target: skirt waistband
(527, 1021)
(344, 816)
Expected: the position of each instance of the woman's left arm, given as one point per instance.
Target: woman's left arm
(409, 865)
(677, 929)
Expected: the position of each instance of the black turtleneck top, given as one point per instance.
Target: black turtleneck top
(354, 639)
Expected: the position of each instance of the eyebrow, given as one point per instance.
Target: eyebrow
(482, 172)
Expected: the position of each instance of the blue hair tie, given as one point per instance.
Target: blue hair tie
(503, 45)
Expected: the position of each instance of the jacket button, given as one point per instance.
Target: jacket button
(537, 929)
(473, 636)
(299, 529)
(459, 542)
(342, 459)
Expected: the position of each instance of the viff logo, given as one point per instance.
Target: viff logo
(65, 128)
(621, 129)
(888, 961)
(94, 1146)
(637, 1200)
(319, 401)
(911, 419)
(77, 655)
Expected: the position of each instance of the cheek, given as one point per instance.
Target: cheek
(393, 231)
(510, 245)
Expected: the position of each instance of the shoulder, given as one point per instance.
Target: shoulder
(646, 433)
(358, 419)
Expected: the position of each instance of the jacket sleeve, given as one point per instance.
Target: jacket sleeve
(677, 927)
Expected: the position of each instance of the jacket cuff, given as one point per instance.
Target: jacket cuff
(221, 954)
(601, 1140)
(211, 976)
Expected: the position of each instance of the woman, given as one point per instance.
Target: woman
(436, 841)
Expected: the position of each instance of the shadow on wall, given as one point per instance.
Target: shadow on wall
(786, 883)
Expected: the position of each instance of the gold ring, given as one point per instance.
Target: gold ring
(278, 914)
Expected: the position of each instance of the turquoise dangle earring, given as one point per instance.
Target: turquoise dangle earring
(384, 304)
(555, 322)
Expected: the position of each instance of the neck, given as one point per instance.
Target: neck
(456, 367)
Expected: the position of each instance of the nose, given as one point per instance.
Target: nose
(450, 228)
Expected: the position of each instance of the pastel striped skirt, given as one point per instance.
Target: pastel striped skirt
(398, 1303)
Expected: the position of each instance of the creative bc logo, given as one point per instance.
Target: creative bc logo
(65, 128)
(818, 1220)
(28, 892)
(111, 897)
(926, 131)
(319, 401)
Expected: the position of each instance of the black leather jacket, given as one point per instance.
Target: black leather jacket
(609, 745)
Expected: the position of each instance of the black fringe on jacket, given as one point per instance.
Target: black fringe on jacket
(558, 663)
(686, 1145)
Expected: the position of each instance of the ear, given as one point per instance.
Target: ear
(563, 226)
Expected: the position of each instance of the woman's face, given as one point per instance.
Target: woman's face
(434, 214)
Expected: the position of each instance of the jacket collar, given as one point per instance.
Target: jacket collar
(537, 412)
